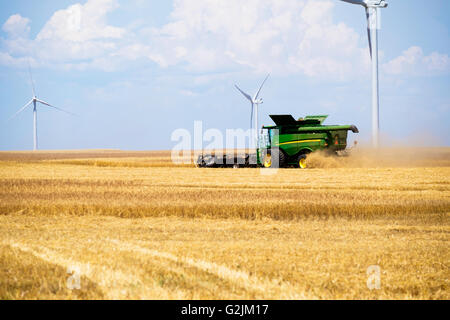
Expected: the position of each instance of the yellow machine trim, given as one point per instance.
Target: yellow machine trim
(299, 141)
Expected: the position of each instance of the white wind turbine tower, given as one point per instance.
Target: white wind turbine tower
(255, 102)
(34, 100)
(372, 8)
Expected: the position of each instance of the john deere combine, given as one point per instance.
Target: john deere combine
(287, 143)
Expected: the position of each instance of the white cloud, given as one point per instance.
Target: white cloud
(77, 37)
(277, 36)
(282, 36)
(414, 62)
(8, 60)
(81, 23)
(17, 26)
(188, 93)
(80, 32)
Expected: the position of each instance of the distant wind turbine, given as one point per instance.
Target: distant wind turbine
(255, 102)
(372, 8)
(34, 100)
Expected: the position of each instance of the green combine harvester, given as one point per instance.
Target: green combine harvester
(286, 144)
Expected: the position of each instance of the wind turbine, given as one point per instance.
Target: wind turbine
(34, 100)
(255, 102)
(372, 8)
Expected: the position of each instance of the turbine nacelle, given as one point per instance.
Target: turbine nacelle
(376, 3)
(369, 3)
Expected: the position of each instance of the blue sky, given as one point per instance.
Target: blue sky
(134, 71)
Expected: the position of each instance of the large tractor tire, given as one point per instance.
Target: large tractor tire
(268, 159)
(301, 161)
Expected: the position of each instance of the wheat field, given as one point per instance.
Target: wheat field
(133, 225)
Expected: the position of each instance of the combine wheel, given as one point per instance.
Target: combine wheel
(301, 161)
(268, 159)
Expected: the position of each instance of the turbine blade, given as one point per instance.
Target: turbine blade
(245, 94)
(21, 109)
(31, 79)
(257, 94)
(48, 104)
(368, 31)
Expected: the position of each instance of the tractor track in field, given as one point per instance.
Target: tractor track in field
(266, 287)
(115, 284)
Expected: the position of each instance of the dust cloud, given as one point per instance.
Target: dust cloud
(365, 157)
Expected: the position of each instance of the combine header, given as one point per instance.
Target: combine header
(286, 144)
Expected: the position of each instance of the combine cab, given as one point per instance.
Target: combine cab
(287, 143)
